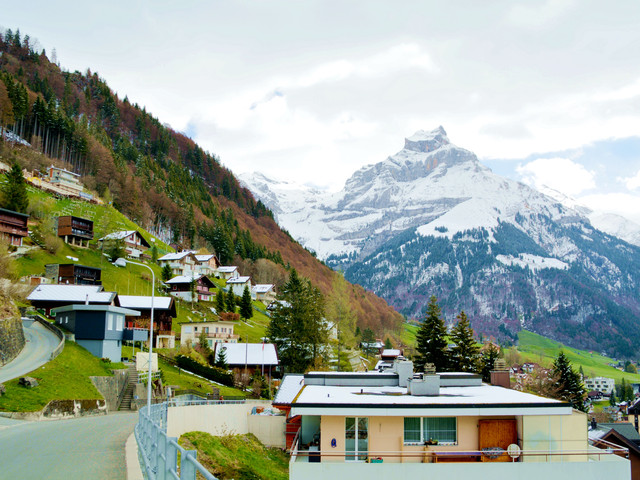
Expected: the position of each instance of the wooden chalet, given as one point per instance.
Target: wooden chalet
(73, 274)
(75, 230)
(13, 226)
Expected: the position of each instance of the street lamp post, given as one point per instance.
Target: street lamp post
(122, 262)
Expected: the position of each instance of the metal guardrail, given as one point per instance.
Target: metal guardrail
(161, 456)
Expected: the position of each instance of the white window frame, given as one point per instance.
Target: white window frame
(423, 432)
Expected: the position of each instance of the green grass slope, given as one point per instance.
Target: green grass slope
(64, 378)
(238, 457)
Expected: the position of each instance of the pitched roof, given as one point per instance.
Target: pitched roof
(227, 269)
(185, 278)
(289, 388)
(71, 293)
(239, 280)
(625, 429)
(144, 303)
(204, 258)
(118, 235)
(174, 256)
(262, 287)
(249, 353)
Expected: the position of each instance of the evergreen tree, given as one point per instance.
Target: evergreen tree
(368, 342)
(231, 301)
(490, 354)
(465, 353)
(297, 326)
(387, 343)
(246, 307)
(221, 304)
(15, 191)
(166, 273)
(221, 357)
(613, 400)
(431, 341)
(569, 385)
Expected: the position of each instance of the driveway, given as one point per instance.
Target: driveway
(80, 448)
(40, 342)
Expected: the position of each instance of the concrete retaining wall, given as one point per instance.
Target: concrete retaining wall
(111, 387)
(11, 337)
(227, 419)
(62, 409)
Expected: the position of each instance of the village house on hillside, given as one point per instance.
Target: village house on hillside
(75, 231)
(264, 292)
(227, 272)
(46, 297)
(207, 264)
(181, 286)
(13, 227)
(238, 284)
(68, 182)
(134, 243)
(164, 311)
(73, 274)
(255, 357)
(181, 263)
(215, 332)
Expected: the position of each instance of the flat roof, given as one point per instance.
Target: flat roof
(395, 401)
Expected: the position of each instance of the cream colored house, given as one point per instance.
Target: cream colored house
(215, 332)
(181, 263)
(442, 426)
(264, 292)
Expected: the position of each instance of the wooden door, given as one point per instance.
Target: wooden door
(497, 434)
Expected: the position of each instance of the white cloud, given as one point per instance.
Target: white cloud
(632, 183)
(561, 174)
(624, 204)
(535, 14)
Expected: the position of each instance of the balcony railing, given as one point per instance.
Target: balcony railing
(598, 450)
(222, 335)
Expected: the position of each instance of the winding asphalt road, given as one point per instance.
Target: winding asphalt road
(82, 448)
(40, 342)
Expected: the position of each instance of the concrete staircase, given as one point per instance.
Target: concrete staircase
(127, 398)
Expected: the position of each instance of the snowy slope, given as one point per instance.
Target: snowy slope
(432, 219)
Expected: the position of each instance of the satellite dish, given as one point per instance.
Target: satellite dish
(513, 451)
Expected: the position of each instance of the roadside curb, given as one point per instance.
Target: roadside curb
(134, 472)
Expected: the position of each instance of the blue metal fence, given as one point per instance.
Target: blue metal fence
(159, 453)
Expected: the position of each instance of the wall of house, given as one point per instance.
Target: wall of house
(111, 349)
(553, 433)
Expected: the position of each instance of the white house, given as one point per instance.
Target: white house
(181, 263)
(227, 272)
(263, 292)
(237, 285)
(215, 332)
(600, 384)
(207, 264)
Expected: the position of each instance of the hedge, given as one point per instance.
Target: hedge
(212, 373)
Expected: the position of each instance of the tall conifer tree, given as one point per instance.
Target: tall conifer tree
(15, 191)
(431, 341)
(569, 385)
(465, 353)
(246, 308)
(221, 304)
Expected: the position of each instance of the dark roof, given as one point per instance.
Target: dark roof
(635, 408)
(625, 429)
(14, 213)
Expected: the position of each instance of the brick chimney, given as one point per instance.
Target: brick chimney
(500, 374)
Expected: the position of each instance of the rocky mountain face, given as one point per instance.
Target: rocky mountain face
(432, 220)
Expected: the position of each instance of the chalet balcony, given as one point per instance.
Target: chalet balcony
(17, 231)
(135, 334)
(224, 336)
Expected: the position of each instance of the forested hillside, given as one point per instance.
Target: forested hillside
(157, 177)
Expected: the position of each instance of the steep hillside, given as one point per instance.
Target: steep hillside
(157, 177)
(432, 220)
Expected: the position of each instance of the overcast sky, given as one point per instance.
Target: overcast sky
(312, 90)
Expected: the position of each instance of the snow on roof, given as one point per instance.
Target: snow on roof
(249, 353)
(289, 388)
(139, 301)
(185, 278)
(262, 288)
(204, 258)
(227, 269)
(118, 235)
(385, 397)
(174, 256)
(71, 293)
(239, 280)
(390, 352)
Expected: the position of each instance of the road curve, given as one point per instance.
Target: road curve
(81, 448)
(40, 342)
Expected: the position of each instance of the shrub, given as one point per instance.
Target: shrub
(212, 373)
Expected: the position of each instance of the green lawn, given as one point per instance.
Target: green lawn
(237, 456)
(65, 378)
(536, 348)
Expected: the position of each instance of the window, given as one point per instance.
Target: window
(441, 429)
(119, 322)
(356, 438)
(110, 321)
